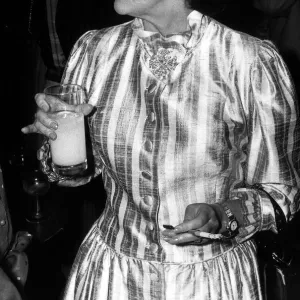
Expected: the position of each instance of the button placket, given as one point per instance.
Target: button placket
(149, 96)
(148, 200)
(146, 169)
(148, 143)
(151, 117)
(146, 175)
(151, 226)
(153, 247)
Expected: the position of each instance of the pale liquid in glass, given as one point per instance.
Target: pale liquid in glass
(68, 151)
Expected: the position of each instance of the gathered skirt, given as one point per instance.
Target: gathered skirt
(99, 273)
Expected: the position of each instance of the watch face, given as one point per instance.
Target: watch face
(233, 225)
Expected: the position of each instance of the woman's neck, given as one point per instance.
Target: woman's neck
(167, 23)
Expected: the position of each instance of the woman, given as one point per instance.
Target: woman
(195, 126)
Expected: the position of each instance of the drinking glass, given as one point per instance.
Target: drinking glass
(68, 151)
(35, 184)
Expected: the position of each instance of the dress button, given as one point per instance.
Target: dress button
(146, 175)
(151, 88)
(151, 226)
(2, 222)
(148, 200)
(153, 248)
(151, 117)
(148, 146)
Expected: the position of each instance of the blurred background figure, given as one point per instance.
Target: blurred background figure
(282, 19)
(13, 260)
(43, 28)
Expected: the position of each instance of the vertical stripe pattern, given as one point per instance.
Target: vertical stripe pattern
(205, 129)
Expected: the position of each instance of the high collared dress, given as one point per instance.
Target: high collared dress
(197, 117)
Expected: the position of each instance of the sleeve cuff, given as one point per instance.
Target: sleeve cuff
(267, 214)
(257, 210)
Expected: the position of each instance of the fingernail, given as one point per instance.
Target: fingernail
(54, 125)
(44, 107)
(52, 136)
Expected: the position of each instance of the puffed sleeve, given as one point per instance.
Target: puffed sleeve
(77, 65)
(273, 144)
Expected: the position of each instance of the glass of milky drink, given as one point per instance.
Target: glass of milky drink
(68, 151)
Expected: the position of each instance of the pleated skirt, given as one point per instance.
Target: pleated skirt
(99, 273)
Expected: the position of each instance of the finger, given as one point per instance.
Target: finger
(183, 238)
(51, 103)
(43, 125)
(190, 212)
(196, 216)
(212, 226)
(45, 130)
(86, 109)
(38, 128)
(169, 233)
(189, 225)
(46, 120)
(41, 102)
(29, 129)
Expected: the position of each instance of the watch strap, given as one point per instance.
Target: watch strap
(229, 233)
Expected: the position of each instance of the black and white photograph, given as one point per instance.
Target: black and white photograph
(150, 150)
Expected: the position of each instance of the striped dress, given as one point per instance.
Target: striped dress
(197, 117)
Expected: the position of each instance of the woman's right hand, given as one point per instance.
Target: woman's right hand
(43, 124)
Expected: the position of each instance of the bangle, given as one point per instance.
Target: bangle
(45, 162)
(279, 215)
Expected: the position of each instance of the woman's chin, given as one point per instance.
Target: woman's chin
(120, 8)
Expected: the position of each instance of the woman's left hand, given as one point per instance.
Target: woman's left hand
(201, 216)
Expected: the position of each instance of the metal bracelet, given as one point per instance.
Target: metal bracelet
(44, 155)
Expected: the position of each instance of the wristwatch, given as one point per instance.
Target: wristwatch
(232, 228)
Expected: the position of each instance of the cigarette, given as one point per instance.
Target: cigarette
(212, 236)
(196, 232)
